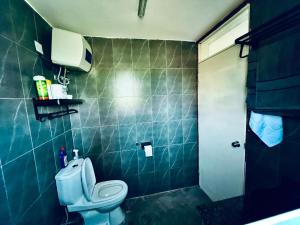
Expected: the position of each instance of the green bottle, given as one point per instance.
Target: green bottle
(41, 87)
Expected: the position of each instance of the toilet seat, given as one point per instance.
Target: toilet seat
(98, 201)
(109, 191)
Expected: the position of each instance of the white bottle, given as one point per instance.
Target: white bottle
(76, 156)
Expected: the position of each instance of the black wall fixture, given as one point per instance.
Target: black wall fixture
(277, 25)
(54, 102)
(142, 8)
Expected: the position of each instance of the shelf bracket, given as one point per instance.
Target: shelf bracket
(50, 116)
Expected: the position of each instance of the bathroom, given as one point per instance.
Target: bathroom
(153, 88)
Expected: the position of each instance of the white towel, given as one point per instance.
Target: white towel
(267, 127)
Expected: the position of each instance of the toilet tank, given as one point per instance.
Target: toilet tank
(68, 183)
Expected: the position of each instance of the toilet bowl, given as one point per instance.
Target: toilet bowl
(98, 203)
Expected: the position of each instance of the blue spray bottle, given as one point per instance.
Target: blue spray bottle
(63, 157)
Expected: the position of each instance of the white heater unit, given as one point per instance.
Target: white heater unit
(71, 50)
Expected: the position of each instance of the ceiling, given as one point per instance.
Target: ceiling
(164, 19)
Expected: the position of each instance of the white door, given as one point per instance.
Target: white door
(222, 121)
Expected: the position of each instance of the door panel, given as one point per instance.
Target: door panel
(222, 120)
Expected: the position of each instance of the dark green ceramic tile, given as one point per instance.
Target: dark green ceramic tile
(160, 134)
(91, 140)
(160, 108)
(191, 176)
(33, 215)
(146, 164)
(129, 162)
(157, 54)
(87, 84)
(89, 113)
(189, 55)
(189, 106)
(175, 132)
(122, 53)
(112, 165)
(189, 81)
(5, 214)
(22, 190)
(24, 25)
(77, 140)
(110, 139)
(57, 124)
(190, 131)
(75, 118)
(126, 108)
(40, 131)
(144, 132)
(177, 178)
(158, 82)
(146, 182)
(105, 82)
(102, 51)
(190, 154)
(176, 156)
(67, 122)
(125, 83)
(143, 82)
(108, 111)
(30, 65)
(133, 185)
(127, 136)
(144, 109)
(45, 165)
(173, 54)
(6, 25)
(174, 81)
(51, 209)
(140, 54)
(162, 181)
(44, 35)
(15, 134)
(10, 85)
(161, 159)
(175, 107)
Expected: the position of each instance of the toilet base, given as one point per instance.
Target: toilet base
(116, 216)
(94, 217)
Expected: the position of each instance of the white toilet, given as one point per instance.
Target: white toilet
(98, 204)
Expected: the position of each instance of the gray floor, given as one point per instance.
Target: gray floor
(177, 207)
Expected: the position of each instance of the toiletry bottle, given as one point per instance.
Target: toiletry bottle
(63, 157)
(76, 155)
(41, 87)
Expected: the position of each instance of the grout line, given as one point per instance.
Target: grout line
(5, 191)
(18, 157)
(162, 192)
(37, 176)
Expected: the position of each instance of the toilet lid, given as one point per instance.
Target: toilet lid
(88, 178)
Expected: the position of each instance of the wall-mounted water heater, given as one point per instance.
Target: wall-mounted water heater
(71, 50)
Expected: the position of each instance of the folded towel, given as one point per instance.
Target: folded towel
(267, 127)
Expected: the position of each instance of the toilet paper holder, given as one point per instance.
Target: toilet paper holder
(143, 144)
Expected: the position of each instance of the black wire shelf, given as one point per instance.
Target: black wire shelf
(54, 102)
(281, 23)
